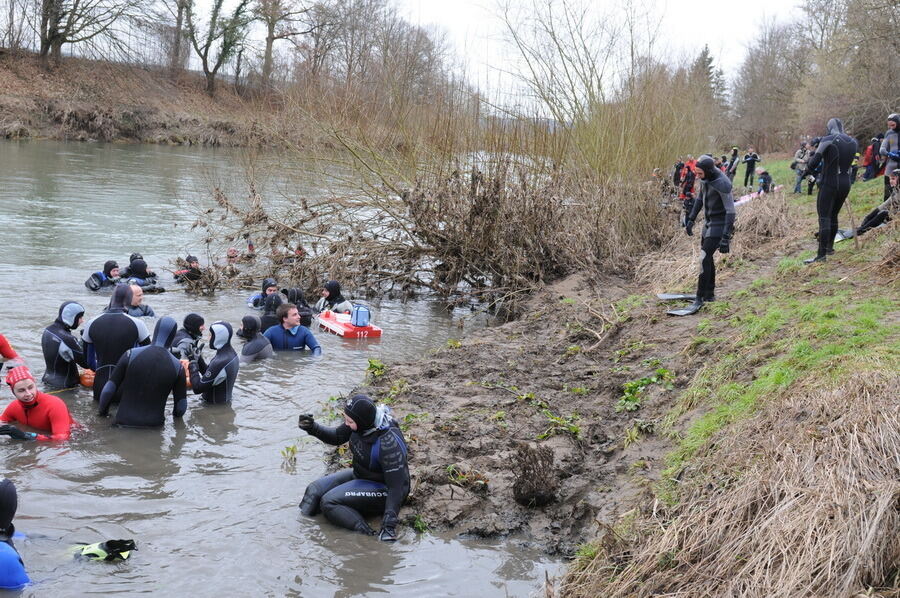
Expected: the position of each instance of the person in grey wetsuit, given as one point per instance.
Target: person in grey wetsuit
(216, 381)
(256, 346)
(718, 204)
(63, 353)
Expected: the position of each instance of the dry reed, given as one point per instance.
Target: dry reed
(802, 500)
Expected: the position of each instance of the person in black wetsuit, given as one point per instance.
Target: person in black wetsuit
(887, 210)
(718, 205)
(107, 336)
(12, 569)
(138, 308)
(63, 353)
(377, 484)
(192, 273)
(189, 336)
(216, 380)
(257, 346)
(129, 271)
(140, 276)
(270, 308)
(269, 287)
(107, 278)
(835, 152)
(143, 380)
(750, 159)
(296, 296)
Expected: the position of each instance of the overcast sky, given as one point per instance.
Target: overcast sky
(477, 33)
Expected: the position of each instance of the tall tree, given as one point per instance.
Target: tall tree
(63, 22)
(219, 40)
(282, 19)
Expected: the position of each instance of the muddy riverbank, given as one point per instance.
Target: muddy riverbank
(84, 100)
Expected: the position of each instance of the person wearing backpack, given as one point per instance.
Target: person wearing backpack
(378, 482)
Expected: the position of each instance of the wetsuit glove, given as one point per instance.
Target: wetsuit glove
(16, 433)
(306, 422)
(689, 228)
(725, 245)
(387, 534)
(894, 155)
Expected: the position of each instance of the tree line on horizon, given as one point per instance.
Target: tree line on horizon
(837, 58)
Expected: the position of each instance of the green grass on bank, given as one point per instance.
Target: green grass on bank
(799, 326)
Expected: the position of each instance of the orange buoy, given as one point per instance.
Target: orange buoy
(187, 371)
(87, 378)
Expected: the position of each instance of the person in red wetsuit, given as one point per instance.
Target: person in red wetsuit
(7, 352)
(35, 409)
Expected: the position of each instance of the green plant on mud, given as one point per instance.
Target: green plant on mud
(453, 343)
(289, 458)
(572, 351)
(576, 390)
(420, 525)
(376, 369)
(410, 418)
(567, 301)
(334, 407)
(639, 428)
(560, 425)
(634, 347)
(633, 391)
(471, 479)
(397, 388)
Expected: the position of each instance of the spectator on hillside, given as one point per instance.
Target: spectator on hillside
(800, 158)
(750, 159)
(870, 159)
(890, 149)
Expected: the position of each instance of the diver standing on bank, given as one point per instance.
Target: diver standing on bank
(835, 152)
(719, 213)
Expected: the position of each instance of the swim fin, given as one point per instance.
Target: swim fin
(111, 550)
(676, 296)
(687, 311)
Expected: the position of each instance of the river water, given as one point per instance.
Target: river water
(212, 509)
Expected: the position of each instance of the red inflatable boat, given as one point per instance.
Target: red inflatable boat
(340, 325)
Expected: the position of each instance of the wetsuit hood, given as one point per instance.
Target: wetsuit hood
(164, 333)
(108, 266)
(249, 327)
(268, 282)
(295, 296)
(69, 312)
(139, 268)
(361, 410)
(707, 164)
(334, 292)
(219, 335)
(135, 256)
(121, 298)
(9, 502)
(896, 118)
(836, 127)
(192, 323)
(271, 304)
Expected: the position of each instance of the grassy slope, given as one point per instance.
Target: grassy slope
(792, 328)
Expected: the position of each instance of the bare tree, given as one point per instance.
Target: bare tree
(13, 33)
(316, 48)
(63, 22)
(219, 40)
(179, 43)
(282, 19)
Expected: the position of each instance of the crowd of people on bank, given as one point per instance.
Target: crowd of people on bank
(830, 162)
(136, 373)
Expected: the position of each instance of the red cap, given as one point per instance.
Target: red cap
(17, 374)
